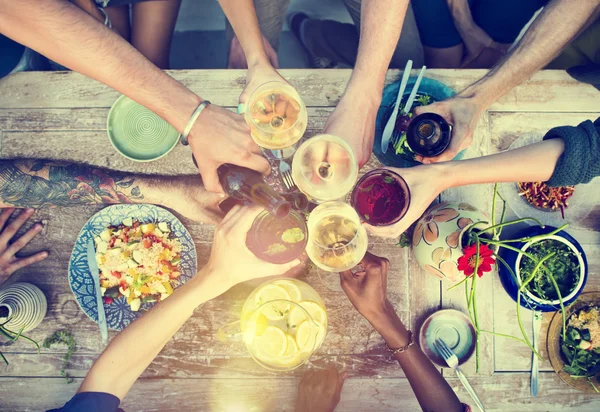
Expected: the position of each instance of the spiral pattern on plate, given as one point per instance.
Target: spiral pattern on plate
(143, 128)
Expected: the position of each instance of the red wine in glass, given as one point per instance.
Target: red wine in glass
(381, 197)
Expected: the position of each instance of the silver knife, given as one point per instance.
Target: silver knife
(413, 92)
(537, 325)
(389, 126)
(91, 256)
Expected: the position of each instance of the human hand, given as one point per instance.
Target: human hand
(477, 43)
(220, 136)
(366, 285)
(425, 183)
(257, 76)
(237, 57)
(319, 391)
(354, 120)
(186, 196)
(230, 237)
(463, 114)
(9, 263)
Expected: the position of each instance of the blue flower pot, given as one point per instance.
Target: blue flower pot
(513, 259)
(434, 88)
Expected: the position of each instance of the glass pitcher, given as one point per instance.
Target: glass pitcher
(283, 322)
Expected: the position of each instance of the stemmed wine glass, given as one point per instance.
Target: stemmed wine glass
(277, 118)
(336, 240)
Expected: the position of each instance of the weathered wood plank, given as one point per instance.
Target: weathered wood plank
(480, 197)
(546, 91)
(501, 392)
(506, 127)
(196, 364)
(79, 119)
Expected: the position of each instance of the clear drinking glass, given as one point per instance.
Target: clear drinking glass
(336, 239)
(325, 168)
(278, 240)
(283, 322)
(277, 117)
(381, 197)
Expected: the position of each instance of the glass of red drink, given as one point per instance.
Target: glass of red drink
(381, 197)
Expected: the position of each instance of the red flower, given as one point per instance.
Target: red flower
(467, 261)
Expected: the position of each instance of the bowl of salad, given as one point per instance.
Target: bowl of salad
(143, 253)
(574, 344)
(560, 278)
(138, 261)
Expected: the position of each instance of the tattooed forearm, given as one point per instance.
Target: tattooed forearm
(40, 183)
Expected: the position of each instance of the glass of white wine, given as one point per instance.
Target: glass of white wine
(277, 118)
(325, 168)
(336, 239)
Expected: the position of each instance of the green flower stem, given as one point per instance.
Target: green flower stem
(3, 358)
(536, 237)
(458, 284)
(509, 247)
(494, 207)
(499, 259)
(474, 305)
(503, 335)
(562, 305)
(512, 222)
(535, 271)
(524, 284)
(520, 322)
(503, 212)
(18, 335)
(592, 383)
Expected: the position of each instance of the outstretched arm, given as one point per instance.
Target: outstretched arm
(125, 358)
(242, 16)
(556, 26)
(532, 163)
(354, 117)
(43, 183)
(66, 34)
(367, 290)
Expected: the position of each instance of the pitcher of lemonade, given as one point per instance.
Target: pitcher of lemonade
(283, 322)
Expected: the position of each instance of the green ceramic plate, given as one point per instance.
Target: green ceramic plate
(137, 133)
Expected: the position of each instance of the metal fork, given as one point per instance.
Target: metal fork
(452, 361)
(285, 171)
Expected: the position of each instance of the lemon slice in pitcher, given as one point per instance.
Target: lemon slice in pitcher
(316, 312)
(255, 327)
(272, 343)
(291, 288)
(271, 292)
(310, 335)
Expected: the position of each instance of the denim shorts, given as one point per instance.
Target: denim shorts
(502, 20)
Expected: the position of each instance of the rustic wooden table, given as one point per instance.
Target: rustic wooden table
(63, 116)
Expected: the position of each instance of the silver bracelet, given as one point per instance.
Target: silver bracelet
(183, 137)
(404, 348)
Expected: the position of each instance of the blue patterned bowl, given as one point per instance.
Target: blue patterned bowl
(118, 313)
(434, 88)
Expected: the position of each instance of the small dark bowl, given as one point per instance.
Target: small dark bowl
(510, 283)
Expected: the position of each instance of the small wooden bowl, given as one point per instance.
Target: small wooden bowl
(554, 338)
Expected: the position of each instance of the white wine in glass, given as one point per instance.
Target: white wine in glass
(336, 239)
(325, 168)
(276, 115)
